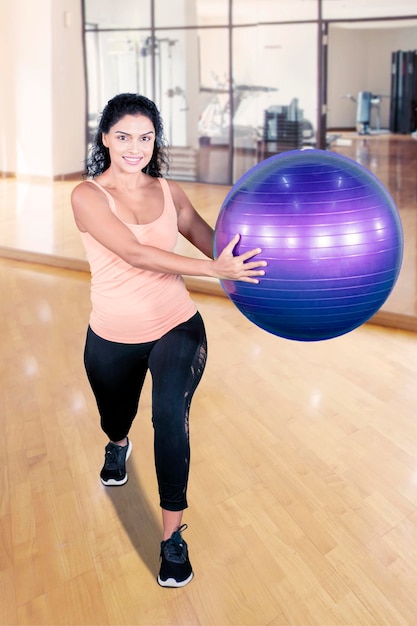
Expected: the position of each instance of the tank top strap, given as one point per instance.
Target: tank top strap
(109, 197)
(168, 199)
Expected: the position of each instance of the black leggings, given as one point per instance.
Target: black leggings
(117, 371)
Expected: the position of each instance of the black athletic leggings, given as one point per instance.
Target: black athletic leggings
(117, 371)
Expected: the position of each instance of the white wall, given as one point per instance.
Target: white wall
(42, 102)
(32, 95)
(68, 87)
(7, 91)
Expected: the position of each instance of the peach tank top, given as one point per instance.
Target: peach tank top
(129, 304)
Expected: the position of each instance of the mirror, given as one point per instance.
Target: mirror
(362, 129)
(221, 91)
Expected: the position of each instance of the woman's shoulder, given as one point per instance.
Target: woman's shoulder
(175, 189)
(179, 197)
(87, 190)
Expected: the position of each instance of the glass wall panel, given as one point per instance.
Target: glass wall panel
(211, 13)
(216, 129)
(117, 61)
(176, 84)
(360, 97)
(275, 91)
(358, 9)
(214, 108)
(179, 13)
(120, 14)
(171, 14)
(260, 11)
(192, 91)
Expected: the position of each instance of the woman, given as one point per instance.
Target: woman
(142, 315)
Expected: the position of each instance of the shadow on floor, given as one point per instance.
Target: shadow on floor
(139, 520)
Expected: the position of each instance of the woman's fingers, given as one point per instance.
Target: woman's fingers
(228, 249)
(240, 267)
(251, 253)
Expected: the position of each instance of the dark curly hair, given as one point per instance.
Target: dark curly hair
(123, 104)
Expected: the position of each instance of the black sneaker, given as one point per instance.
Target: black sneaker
(114, 468)
(176, 570)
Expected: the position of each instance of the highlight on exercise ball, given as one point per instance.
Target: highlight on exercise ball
(332, 237)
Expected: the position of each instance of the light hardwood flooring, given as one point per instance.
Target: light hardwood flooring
(303, 488)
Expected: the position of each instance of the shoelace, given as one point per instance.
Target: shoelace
(174, 547)
(112, 456)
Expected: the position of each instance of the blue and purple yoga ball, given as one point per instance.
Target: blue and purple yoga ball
(331, 235)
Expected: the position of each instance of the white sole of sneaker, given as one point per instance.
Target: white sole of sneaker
(114, 483)
(171, 582)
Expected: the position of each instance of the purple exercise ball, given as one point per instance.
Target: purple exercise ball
(331, 235)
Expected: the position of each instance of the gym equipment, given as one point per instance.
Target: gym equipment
(366, 102)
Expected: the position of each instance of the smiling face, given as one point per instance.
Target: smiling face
(130, 142)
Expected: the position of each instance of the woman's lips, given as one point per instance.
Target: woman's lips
(133, 160)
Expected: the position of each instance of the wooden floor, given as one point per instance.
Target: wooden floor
(303, 487)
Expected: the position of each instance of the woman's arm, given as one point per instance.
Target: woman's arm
(93, 215)
(190, 223)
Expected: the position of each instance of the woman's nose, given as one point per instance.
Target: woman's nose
(134, 146)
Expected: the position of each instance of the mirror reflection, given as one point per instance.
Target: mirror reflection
(239, 81)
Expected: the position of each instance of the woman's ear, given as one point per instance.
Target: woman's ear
(104, 140)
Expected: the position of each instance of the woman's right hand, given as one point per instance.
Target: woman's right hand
(230, 267)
